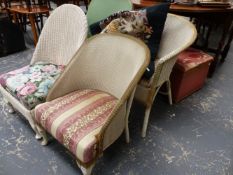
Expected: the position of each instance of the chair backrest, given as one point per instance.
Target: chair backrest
(64, 32)
(108, 62)
(178, 34)
(101, 9)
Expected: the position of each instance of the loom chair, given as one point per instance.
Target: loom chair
(59, 41)
(178, 35)
(99, 67)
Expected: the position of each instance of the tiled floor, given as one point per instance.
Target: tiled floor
(193, 137)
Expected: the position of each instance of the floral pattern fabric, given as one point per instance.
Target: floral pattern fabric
(134, 23)
(31, 84)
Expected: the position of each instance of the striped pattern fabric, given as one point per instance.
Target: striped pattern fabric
(75, 119)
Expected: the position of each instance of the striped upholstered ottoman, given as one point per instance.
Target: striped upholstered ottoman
(75, 119)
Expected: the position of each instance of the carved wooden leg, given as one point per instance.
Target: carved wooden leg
(43, 134)
(146, 119)
(86, 170)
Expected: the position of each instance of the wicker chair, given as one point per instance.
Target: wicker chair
(101, 9)
(178, 34)
(59, 41)
(89, 110)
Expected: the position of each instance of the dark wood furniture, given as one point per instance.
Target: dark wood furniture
(75, 2)
(30, 13)
(207, 15)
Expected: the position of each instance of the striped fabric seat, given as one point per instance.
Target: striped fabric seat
(75, 119)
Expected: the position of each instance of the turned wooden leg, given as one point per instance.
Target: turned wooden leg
(32, 21)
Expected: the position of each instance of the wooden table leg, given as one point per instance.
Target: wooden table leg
(228, 45)
(32, 21)
(15, 18)
(221, 44)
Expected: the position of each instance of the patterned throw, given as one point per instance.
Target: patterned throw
(75, 119)
(30, 84)
(134, 23)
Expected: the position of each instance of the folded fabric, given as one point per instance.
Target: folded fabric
(146, 24)
(31, 84)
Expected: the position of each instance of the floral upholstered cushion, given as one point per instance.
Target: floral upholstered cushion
(75, 119)
(30, 84)
(146, 24)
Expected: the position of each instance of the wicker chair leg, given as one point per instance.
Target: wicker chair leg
(129, 104)
(168, 83)
(127, 137)
(146, 119)
(86, 170)
(33, 126)
(11, 109)
(43, 135)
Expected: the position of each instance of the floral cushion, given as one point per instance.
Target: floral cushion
(30, 84)
(146, 24)
(75, 119)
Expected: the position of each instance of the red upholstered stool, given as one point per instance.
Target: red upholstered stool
(189, 73)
